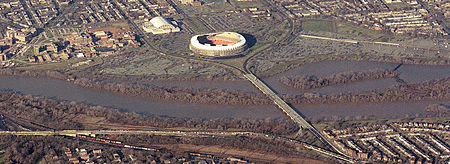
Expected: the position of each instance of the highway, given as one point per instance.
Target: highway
(288, 36)
(264, 88)
(289, 111)
(258, 83)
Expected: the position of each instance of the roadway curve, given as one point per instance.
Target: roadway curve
(287, 37)
(246, 73)
(144, 38)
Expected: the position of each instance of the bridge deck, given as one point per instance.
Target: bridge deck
(288, 110)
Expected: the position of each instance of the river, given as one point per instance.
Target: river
(66, 91)
(62, 90)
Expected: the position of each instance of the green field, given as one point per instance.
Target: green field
(238, 4)
(318, 25)
(352, 30)
(61, 65)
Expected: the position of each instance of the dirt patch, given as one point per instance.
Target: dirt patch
(270, 158)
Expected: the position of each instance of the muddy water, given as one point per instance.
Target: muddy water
(409, 73)
(420, 73)
(320, 69)
(62, 90)
(366, 111)
(238, 85)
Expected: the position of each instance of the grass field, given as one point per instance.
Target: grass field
(60, 65)
(29, 52)
(318, 25)
(352, 30)
(241, 4)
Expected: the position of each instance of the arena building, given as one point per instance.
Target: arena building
(160, 25)
(218, 44)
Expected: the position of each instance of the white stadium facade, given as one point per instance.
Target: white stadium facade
(220, 44)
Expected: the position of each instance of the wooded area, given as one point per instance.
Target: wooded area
(311, 81)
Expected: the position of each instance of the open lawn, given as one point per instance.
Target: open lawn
(243, 4)
(266, 157)
(318, 25)
(63, 65)
(29, 52)
(373, 35)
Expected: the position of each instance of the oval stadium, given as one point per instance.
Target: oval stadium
(221, 44)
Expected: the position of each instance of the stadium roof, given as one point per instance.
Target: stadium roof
(218, 41)
(160, 22)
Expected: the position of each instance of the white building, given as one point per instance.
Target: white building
(187, 2)
(220, 44)
(160, 25)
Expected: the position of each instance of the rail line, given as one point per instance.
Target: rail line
(244, 71)
(258, 83)
(289, 111)
(90, 135)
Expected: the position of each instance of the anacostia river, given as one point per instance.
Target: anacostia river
(66, 91)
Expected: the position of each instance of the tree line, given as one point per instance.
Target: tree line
(61, 115)
(50, 149)
(429, 90)
(311, 81)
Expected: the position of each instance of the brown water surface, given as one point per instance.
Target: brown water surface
(66, 91)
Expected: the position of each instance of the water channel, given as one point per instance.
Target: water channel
(62, 90)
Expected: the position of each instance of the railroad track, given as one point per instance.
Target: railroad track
(92, 133)
(291, 113)
(244, 71)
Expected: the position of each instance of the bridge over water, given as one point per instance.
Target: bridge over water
(289, 111)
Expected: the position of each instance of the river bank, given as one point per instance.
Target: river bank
(66, 91)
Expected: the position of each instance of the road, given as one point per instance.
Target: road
(296, 117)
(263, 87)
(440, 18)
(288, 35)
(29, 45)
(379, 43)
(289, 111)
